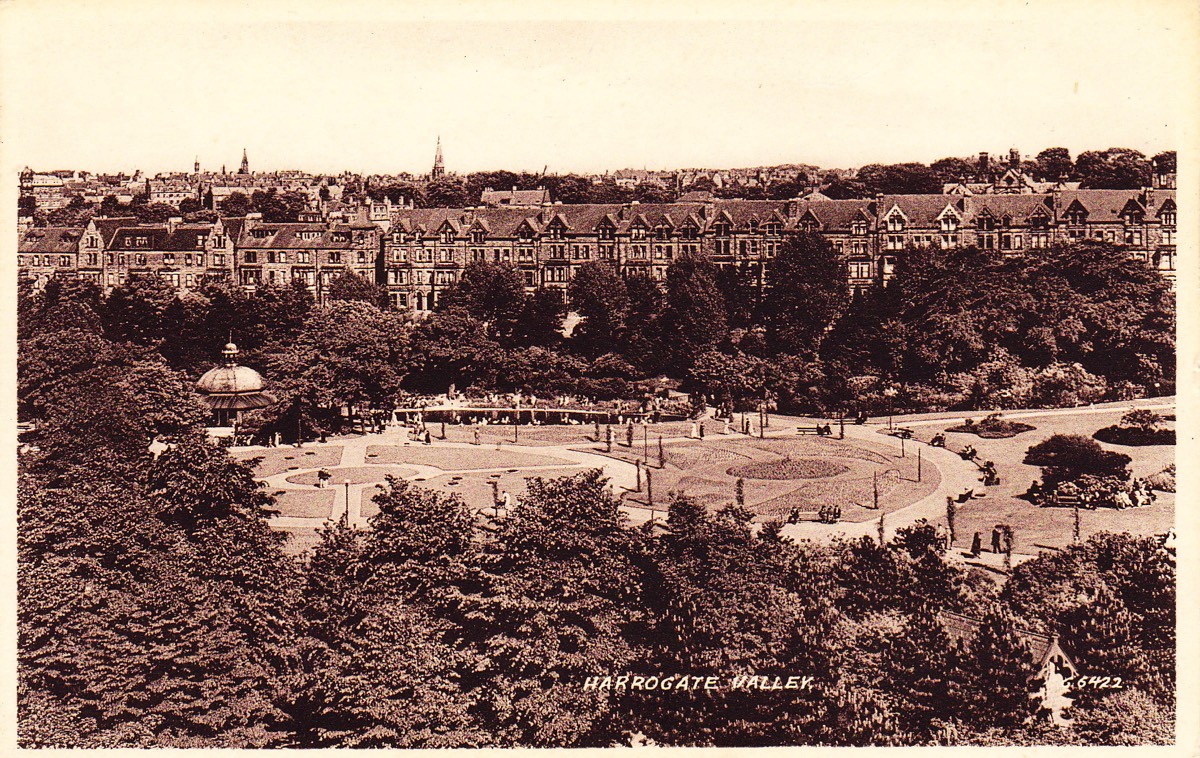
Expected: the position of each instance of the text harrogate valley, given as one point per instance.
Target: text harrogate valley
(672, 682)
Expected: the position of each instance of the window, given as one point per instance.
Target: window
(604, 232)
(335, 256)
(169, 259)
(722, 247)
(772, 228)
(1133, 236)
(445, 256)
(448, 237)
(985, 223)
(64, 260)
(303, 256)
(93, 259)
(1168, 236)
(721, 229)
(250, 256)
(362, 256)
(218, 241)
(1039, 240)
(191, 280)
(895, 223)
(637, 233)
(141, 259)
(949, 223)
(895, 241)
(218, 259)
(171, 278)
(858, 227)
(1167, 218)
(200, 240)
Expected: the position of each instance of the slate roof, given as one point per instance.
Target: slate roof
(1101, 205)
(920, 210)
(962, 629)
(532, 197)
(51, 239)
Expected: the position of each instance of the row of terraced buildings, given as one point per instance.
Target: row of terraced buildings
(418, 253)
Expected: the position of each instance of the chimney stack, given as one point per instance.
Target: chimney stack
(173, 223)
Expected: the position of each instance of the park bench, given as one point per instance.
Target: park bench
(1067, 501)
(808, 429)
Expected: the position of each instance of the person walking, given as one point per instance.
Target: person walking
(996, 539)
(976, 545)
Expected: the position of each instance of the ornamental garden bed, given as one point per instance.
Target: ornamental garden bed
(993, 427)
(788, 468)
(1133, 436)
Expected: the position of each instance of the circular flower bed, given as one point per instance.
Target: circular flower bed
(800, 468)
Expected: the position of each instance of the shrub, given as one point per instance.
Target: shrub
(992, 427)
(1065, 457)
(1066, 384)
(1137, 427)
(1163, 481)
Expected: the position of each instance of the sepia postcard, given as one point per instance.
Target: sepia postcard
(508, 375)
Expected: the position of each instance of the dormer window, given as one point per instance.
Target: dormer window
(448, 237)
(772, 229)
(721, 229)
(985, 223)
(949, 223)
(895, 223)
(1167, 218)
(662, 232)
(604, 232)
(858, 227)
(1040, 221)
(477, 237)
(637, 233)
(554, 232)
(689, 232)
(1132, 218)
(525, 234)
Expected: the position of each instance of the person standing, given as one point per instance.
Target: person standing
(976, 545)
(701, 430)
(996, 539)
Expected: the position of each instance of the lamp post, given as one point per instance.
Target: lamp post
(646, 445)
(347, 483)
(890, 394)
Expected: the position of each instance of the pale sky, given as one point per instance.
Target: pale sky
(368, 87)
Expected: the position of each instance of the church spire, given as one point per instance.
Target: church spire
(439, 169)
(245, 169)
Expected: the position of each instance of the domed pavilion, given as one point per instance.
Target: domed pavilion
(231, 389)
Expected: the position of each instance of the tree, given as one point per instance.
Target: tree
(694, 311)
(899, 179)
(1114, 168)
(948, 170)
(560, 591)
(600, 297)
(999, 675)
(452, 348)
(494, 293)
(190, 205)
(919, 670)
(540, 321)
(26, 205)
(349, 355)
(1065, 457)
(349, 286)
(1053, 164)
(807, 291)
(445, 193)
(237, 204)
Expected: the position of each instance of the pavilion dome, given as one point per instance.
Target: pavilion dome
(233, 387)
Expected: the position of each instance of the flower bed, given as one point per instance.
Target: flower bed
(799, 468)
(992, 428)
(1134, 436)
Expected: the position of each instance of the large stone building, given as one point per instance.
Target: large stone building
(418, 253)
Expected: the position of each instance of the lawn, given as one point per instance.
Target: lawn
(1048, 528)
(356, 475)
(456, 459)
(276, 460)
(782, 474)
(305, 503)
